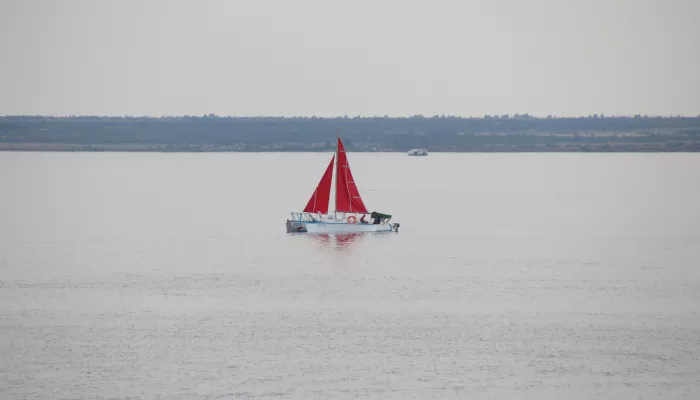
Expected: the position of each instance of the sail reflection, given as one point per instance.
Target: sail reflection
(344, 241)
(322, 239)
(337, 241)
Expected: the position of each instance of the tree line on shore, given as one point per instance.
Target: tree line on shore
(385, 133)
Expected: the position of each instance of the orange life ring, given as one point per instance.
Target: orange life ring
(352, 219)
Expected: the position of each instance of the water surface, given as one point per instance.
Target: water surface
(539, 276)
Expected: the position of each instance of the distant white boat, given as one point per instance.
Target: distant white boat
(418, 152)
(350, 211)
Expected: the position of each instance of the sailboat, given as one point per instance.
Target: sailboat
(350, 214)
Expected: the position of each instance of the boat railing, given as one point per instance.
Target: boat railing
(306, 217)
(343, 216)
(339, 217)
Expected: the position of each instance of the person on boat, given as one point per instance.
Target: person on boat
(377, 220)
(362, 220)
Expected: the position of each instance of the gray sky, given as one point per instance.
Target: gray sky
(329, 58)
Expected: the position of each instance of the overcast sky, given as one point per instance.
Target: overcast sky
(330, 58)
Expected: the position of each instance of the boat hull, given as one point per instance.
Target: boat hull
(336, 227)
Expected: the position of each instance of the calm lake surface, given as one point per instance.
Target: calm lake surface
(513, 276)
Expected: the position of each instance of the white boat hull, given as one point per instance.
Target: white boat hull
(418, 152)
(337, 227)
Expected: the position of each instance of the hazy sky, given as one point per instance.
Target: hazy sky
(329, 58)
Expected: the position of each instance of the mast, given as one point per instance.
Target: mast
(335, 176)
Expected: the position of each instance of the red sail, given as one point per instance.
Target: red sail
(318, 203)
(347, 197)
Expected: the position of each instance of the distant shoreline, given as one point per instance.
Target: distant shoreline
(491, 134)
(137, 148)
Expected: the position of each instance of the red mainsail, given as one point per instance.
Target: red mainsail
(347, 197)
(318, 203)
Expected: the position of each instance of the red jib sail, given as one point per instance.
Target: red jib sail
(318, 203)
(347, 197)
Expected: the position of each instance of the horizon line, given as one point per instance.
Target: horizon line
(358, 116)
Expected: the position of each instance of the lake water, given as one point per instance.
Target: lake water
(513, 276)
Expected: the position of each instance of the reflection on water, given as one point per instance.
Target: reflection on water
(344, 241)
(337, 241)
